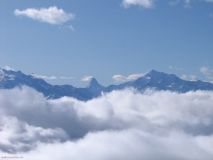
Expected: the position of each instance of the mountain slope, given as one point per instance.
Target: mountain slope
(154, 79)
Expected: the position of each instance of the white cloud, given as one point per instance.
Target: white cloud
(122, 78)
(24, 136)
(207, 72)
(86, 78)
(142, 3)
(122, 125)
(52, 15)
(8, 68)
(45, 77)
(187, 3)
(189, 77)
(119, 78)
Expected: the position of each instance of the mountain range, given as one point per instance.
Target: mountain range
(154, 79)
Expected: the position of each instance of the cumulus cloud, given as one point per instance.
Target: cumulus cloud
(142, 3)
(86, 78)
(189, 77)
(18, 136)
(122, 78)
(207, 72)
(52, 15)
(121, 125)
(8, 68)
(46, 77)
(127, 145)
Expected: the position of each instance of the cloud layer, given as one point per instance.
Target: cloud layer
(151, 3)
(143, 3)
(52, 15)
(121, 125)
(122, 78)
(46, 77)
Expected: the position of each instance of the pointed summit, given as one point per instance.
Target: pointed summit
(94, 87)
(154, 72)
(94, 83)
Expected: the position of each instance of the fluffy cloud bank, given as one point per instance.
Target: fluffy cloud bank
(52, 15)
(121, 125)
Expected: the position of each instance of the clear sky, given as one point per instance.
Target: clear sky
(102, 38)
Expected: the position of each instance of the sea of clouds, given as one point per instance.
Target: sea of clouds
(121, 125)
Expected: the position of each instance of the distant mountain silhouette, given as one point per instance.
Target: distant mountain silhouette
(154, 80)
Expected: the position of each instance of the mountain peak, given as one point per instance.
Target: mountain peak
(93, 83)
(154, 72)
(153, 79)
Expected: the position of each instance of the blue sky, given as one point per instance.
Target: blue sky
(69, 39)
